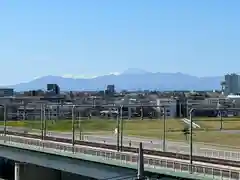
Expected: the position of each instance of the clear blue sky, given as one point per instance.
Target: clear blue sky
(95, 37)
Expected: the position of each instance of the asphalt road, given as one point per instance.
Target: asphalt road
(179, 147)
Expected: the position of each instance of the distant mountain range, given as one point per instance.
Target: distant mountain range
(131, 79)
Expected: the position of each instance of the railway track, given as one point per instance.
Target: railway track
(133, 150)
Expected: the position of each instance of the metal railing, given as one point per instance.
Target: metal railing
(148, 144)
(126, 158)
(176, 148)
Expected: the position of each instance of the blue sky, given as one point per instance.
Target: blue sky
(95, 37)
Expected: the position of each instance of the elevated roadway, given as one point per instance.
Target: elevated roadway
(153, 164)
(153, 144)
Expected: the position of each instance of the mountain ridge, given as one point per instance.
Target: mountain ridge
(128, 80)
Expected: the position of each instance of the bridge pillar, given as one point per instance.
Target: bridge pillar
(17, 171)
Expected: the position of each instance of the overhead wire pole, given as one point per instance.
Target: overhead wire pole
(121, 119)
(140, 173)
(164, 128)
(191, 139)
(73, 127)
(41, 117)
(79, 126)
(118, 128)
(44, 122)
(5, 119)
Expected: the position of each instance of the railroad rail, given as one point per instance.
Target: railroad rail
(132, 149)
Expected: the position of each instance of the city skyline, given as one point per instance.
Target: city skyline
(92, 38)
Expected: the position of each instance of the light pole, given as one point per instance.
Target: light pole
(73, 127)
(164, 128)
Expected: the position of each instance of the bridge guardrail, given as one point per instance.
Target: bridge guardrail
(126, 158)
(147, 152)
(207, 152)
(183, 149)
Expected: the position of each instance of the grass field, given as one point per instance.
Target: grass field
(96, 125)
(145, 128)
(228, 123)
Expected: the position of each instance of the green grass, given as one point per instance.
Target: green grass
(228, 123)
(144, 128)
(100, 125)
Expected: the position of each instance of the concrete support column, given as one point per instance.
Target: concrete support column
(17, 171)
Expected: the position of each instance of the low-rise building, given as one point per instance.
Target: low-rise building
(170, 106)
(6, 92)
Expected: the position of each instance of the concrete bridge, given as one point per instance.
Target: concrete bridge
(49, 158)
